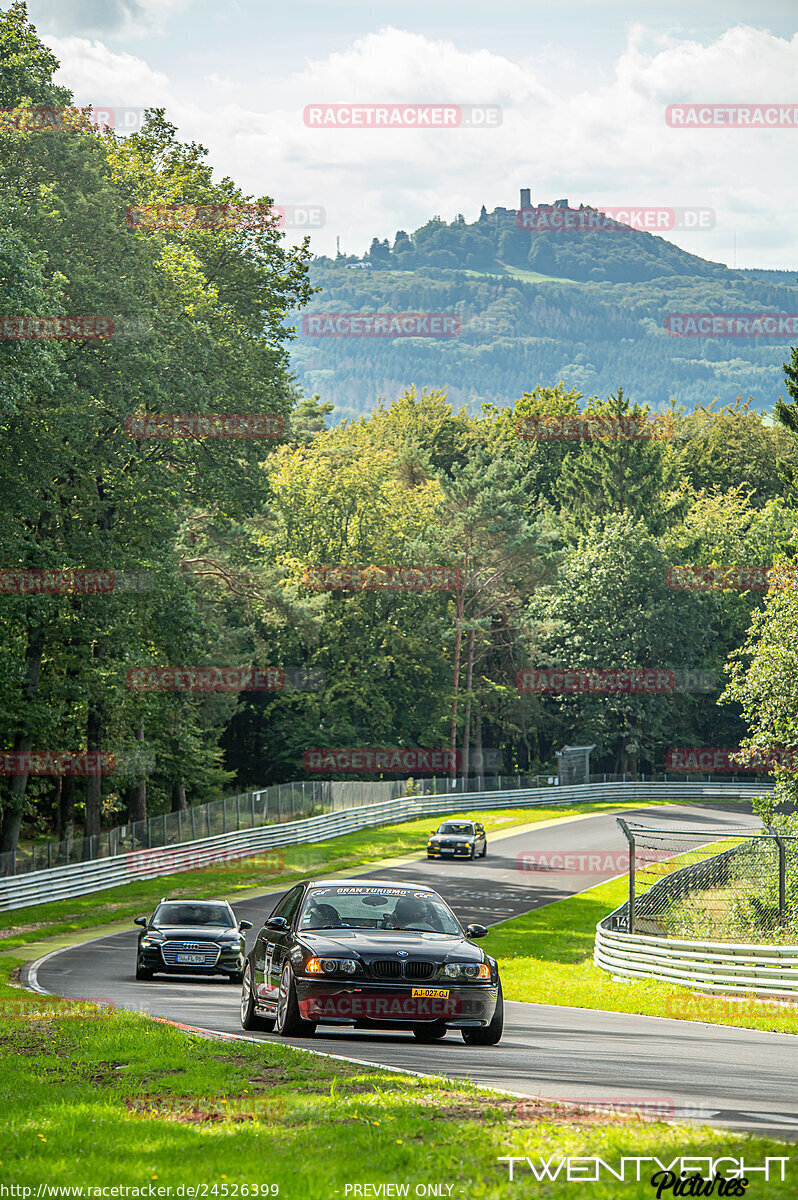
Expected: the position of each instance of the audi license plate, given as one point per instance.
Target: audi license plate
(431, 993)
(190, 958)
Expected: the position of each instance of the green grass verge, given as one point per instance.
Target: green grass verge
(22, 927)
(107, 1100)
(546, 957)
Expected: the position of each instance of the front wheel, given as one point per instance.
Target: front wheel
(289, 1023)
(490, 1034)
(143, 973)
(484, 850)
(473, 853)
(249, 1016)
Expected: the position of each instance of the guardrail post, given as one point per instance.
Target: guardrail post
(630, 920)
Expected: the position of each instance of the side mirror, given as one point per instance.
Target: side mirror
(242, 925)
(476, 931)
(278, 924)
(140, 921)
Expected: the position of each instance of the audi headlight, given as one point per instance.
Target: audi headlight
(153, 939)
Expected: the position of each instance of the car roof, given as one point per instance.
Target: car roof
(392, 884)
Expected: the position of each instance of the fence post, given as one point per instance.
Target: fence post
(630, 921)
(253, 811)
(179, 826)
(782, 875)
(279, 802)
(49, 854)
(193, 825)
(224, 815)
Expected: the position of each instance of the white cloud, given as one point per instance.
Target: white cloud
(608, 144)
(132, 18)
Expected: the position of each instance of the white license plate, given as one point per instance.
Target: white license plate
(190, 958)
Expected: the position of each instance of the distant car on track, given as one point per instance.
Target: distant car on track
(458, 839)
(374, 955)
(191, 937)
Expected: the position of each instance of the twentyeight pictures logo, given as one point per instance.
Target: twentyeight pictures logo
(402, 116)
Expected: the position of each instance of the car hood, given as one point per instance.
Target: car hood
(194, 933)
(454, 837)
(433, 946)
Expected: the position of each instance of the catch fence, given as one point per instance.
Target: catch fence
(731, 885)
(285, 802)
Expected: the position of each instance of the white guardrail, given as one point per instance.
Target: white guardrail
(720, 967)
(80, 879)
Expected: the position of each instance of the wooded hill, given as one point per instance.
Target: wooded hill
(586, 308)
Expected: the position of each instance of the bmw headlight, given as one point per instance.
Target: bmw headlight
(332, 966)
(467, 971)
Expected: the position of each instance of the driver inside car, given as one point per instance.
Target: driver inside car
(410, 913)
(321, 916)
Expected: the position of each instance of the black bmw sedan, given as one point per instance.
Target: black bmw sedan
(458, 839)
(371, 955)
(191, 937)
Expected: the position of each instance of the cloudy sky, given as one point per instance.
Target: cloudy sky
(583, 86)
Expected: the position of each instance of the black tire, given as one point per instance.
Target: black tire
(288, 1022)
(238, 977)
(491, 1034)
(430, 1033)
(143, 973)
(249, 1016)
(473, 853)
(484, 850)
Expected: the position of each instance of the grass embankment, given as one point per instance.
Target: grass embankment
(104, 1099)
(268, 869)
(546, 957)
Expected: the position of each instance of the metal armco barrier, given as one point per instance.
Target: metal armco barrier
(720, 967)
(80, 879)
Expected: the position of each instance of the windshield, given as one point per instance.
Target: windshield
(182, 913)
(378, 908)
(456, 827)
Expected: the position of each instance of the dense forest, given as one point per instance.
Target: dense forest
(557, 552)
(584, 308)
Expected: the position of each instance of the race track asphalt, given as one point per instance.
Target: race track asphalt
(732, 1078)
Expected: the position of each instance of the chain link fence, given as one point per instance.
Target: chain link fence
(737, 887)
(289, 802)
